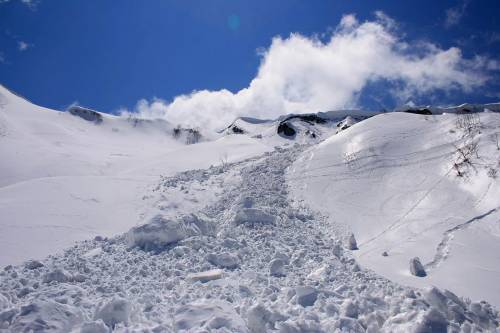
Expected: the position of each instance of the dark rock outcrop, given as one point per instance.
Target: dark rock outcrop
(286, 129)
(87, 114)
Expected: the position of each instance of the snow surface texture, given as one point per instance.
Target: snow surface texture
(184, 284)
(414, 186)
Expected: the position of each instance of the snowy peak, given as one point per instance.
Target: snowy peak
(463, 108)
(308, 128)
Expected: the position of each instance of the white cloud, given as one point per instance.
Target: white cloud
(454, 15)
(29, 3)
(300, 74)
(22, 46)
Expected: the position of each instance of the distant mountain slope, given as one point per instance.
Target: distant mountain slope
(414, 186)
(64, 178)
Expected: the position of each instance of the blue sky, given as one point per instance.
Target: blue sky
(109, 55)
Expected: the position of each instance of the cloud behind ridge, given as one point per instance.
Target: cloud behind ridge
(300, 74)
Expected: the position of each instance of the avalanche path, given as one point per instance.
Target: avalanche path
(226, 250)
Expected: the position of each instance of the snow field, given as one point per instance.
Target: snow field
(124, 286)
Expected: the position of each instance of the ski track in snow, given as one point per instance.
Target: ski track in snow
(444, 248)
(315, 286)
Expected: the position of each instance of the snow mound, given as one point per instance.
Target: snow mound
(46, 316)
(208, 316)
(113, 312)
(161, 232)
(253, 216)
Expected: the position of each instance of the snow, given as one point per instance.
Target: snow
(248, 232)
(203, 316)
(61, 176)
(391, 181)
(157, 233)
(117, 310)
(178, 289)
(213, 274)
(252, 216)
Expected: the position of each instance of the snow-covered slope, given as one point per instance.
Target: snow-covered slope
(63, 178)
(414, 186)
(137, 231)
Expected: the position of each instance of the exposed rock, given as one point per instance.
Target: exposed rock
(423, 111)
(310, 118)
(286, 129)
(236, 130)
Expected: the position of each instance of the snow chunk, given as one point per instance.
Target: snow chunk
(97, 326)
(351, 243)
(46, 316)
(277, 267)
(57, 275)
(349, 309)
(115, 311)
(306, 296)
(251, 216)
(223, 260)
(257, 318)
(156, 234)
(349, 325)
(205, 315)
(93, 253)
(33, 264)
(319, 274)
(431, 321)
(4, 302)
(206, 276)
(416, 268)
(162, 231)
